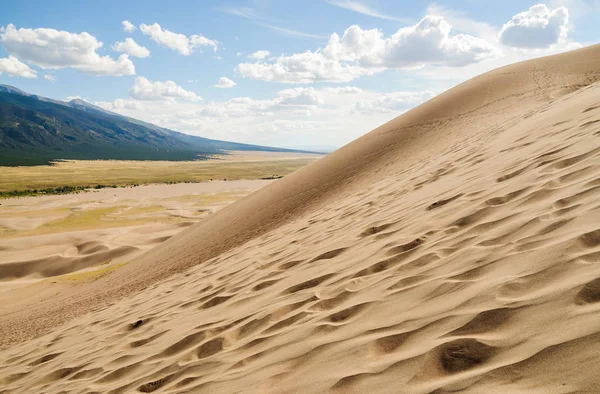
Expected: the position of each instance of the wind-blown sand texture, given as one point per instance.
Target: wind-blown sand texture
(74, 238)
(456, 247)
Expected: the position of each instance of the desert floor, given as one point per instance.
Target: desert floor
(455, 248)
(49, 238)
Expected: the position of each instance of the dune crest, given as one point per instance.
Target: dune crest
(453, 248)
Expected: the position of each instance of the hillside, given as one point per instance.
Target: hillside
(452, 249)
(35, 130)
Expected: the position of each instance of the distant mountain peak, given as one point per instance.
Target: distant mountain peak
(89, 107)
(13, 90)
(78, 101)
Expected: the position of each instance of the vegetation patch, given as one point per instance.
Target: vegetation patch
(65, 177)
(88, 276)
(88, 219)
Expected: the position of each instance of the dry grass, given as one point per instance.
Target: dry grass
(110, 217)
(125, 173)
(142, 210)
(87, 276)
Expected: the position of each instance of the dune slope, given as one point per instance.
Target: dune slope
(453, 248)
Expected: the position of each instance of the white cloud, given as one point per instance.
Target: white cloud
(536, 28)
(361, 52)
(259, 55)
(49, 77)
(427, 42)
(295, 116)
(304, 67)
(201, 41)
(147, 90)
(299, 96)
(289, 101)
(128, 26)
(303, 112)
(225, 83)
(120, 104)
(130, 47)
(12, 66)
(54, 49)
(389, 102)
(344, 90)
(284, 126)
(178, 42)
(238, 54)
(245, 107)
(362, 9)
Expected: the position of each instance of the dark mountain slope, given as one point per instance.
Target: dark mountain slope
(35, 130)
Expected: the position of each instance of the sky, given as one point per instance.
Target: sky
(282, 73)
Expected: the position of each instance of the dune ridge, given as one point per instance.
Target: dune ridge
(453, 248)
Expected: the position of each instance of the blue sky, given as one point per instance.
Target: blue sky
(275, 72)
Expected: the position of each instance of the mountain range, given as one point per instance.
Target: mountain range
(36, 130)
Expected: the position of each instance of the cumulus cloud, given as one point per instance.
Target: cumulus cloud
(259, 55)
(54, 49)
(12, 66)
(290, 117)
(180, 43)
(536, 28)
(361, 52)
(299, 97)
(49, 77)
(235, 108)
(298, 101)
(287, 101)
(287, 126)
(306, 67)
(120, 104)
(146, 90)
(427, 42)
(344, 90)
(128, 26)
(225, 83)
(130, 47)
(390, 102)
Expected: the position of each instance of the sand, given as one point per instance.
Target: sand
(51, 237)
(455, 248)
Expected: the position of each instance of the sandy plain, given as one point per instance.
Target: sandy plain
(76, 238)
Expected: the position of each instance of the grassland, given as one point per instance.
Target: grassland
(75, 176)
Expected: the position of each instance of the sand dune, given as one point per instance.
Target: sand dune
(455, 248)
(53, 236)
